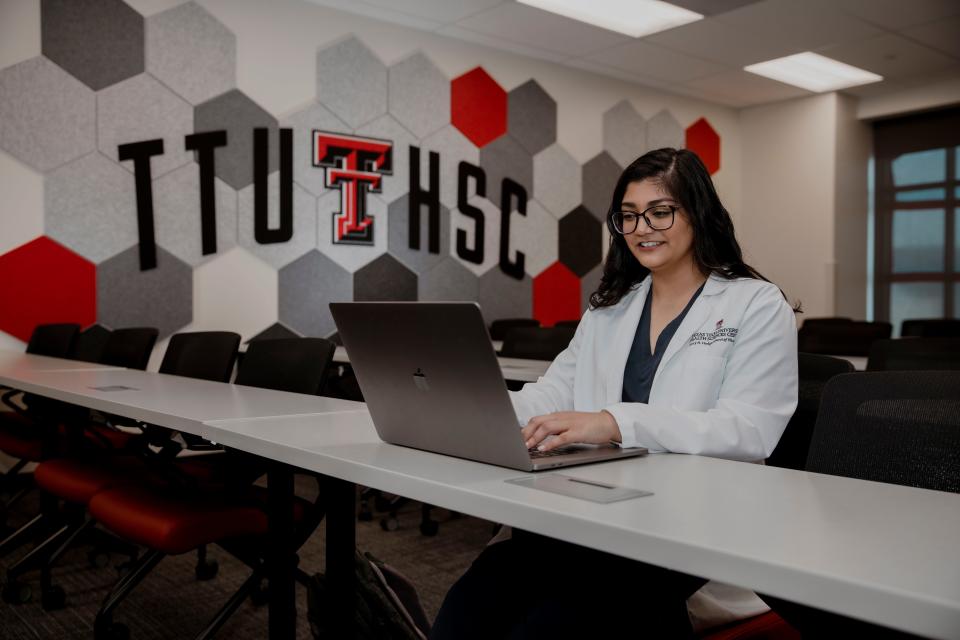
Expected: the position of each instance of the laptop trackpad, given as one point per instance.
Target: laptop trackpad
(579, 488)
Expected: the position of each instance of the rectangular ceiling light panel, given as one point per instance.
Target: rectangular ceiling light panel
(634, 18)
(813, 72)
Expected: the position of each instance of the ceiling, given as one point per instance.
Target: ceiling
(910, 43)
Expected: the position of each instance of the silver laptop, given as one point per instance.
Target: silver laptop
(431, 381)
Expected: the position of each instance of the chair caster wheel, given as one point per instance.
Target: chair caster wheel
(17, 593)
(429, 528)
(207, 570)
(98, 559)
(53, 598)
(390, 524)
(116, 631)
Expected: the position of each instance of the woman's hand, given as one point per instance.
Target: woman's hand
(569, 427)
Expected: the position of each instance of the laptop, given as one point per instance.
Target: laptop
(431, 380)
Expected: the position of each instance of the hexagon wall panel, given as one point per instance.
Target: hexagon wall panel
(307, 286)
(304, 223)
(398, 182)
(350, 256)
(50, 283)
(191, 52)
(176, 214)
(398, 241)
(663, 130)
(556, 295)
(532, 117)
(600, 176)
(557, 181)
(47, 117)
(501, 296)
(704, 141)
(448, 280)
(581, 241)
(491, 235)
(352, 82)
(161, 297)
(91, 207)
(100, 42)
(419, 95)
(588, 284)
(624, 133)
(453, 148)
(138, 109)
(238, 115)
(505, 158)
(384, 279)
(535, 235)
(276, 331)
(303, 122)
(215, 305)
(478, 107)
(22, 190)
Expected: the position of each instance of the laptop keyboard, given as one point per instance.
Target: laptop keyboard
(537, 454)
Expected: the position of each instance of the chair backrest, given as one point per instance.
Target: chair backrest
(900, 427)
(54, 340)
(932, 328)
(536, 343)
(299, 365)
(499, 328)
(842, 338)
(90, 343)
(567, 323)
(819, 322)
(130, 348)
(209, 355)
(814, 372)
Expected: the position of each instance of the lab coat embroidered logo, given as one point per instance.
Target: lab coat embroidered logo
(420, 379)
(719, 334)
(719, 324)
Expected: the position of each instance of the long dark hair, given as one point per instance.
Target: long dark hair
(685, 178)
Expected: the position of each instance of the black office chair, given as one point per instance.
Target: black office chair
(89, 344)
(917, 354)
(814, 372)
(931, 328)
(54, 340)
(842, 338)
(499, 328)
(567, 323)
(820, 322)
(536, 343)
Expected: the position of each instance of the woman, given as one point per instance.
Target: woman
(685, 349)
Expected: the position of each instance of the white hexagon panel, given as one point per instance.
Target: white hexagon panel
(448, 280)
(557, 180)
(352, 82)
(304, 236)
(22, 190)
(418, 95)
(624, 133)
(452, 147)
(478, 257)
(501, 296)
(351, 256)
(663, 130)
(91, 207)
(307, 287)
(397, 182)
(177, 218)
(191, 52)
(47, 117)
(534, 235)
(139, 109)
(304, 122)
(398, 242)
(247, 306)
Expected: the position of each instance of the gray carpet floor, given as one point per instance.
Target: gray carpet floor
(172, 603)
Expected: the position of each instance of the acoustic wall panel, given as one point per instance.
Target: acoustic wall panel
(239, 116)
(581, 241)
(313, 117)
(702, 139)
(448, 280)
(276, 331)
(352, 82)
(588, 284)
(387, 128)
(384, 279)
(452, 147)
(398, 242)
(556, 295)
(307, 286)
(532, 117)
(351, 256)
(624, 133)
(534, 234)
(663, 130)
(478, 107)
(557, 182)
(418, 95)
(22, 190)
(506, 158)
(215, 305)
(501, 296)
(303, 236)
(600, 175)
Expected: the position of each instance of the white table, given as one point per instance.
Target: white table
(518, 369)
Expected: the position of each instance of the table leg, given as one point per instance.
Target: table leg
(281, 557)
(341, 546)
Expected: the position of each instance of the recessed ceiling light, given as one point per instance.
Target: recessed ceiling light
(813, 72)
(633, 17)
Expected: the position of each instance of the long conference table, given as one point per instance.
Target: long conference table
(883, 553)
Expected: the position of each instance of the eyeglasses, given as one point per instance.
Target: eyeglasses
(659, 217)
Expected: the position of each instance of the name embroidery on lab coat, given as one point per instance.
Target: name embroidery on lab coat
(720, 334)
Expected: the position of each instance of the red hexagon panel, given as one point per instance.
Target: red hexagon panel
(478, 106)
(704, 141)
(46, 282)
(556, 295)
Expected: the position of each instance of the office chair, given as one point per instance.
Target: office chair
(536, 343)
(567, 323)
(851, 338)
(499, 328)
(915, 354)
(932, 328)
(820, 322)
(89, 344)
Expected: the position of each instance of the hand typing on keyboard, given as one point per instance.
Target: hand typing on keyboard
(553, 430)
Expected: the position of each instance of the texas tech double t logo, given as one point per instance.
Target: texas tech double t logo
(355, 166)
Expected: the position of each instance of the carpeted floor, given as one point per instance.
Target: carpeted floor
(171, 603)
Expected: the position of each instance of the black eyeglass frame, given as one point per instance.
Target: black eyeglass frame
(643, 214)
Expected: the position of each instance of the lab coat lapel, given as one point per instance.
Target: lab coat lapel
(626, 330)
(699, 313)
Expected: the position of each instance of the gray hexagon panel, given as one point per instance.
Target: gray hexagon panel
(161, 297)
(303, 123)
(238, 115)
(397, 182)
(398, 241)
(100, 42)
(47, 117)
(532, 117)
(138, 109)
(452, 147)
(352, 82)
(663, 130)
(191, 52)
(505, 158)
(588, 284)
(176, 210)
(307, 286)
(419, 95)
(600, 176)
(276, 331)
(384, 279)
(501, 296)
(448, 280)
(491, 235)
(90, 207)
(351, 256)
(304, 223)
(624, 133)
(581, 241)
(557, 183)
(535, 235)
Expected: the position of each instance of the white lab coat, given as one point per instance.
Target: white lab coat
(726, 387)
